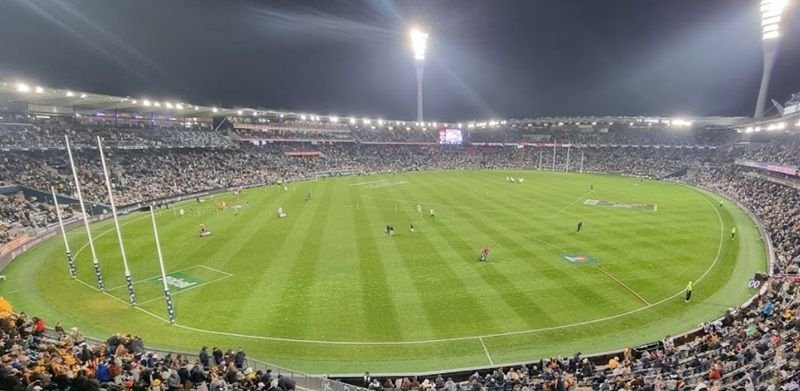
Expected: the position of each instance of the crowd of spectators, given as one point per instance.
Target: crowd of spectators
(776, 205)
(781, 150)
(34, 359)
(750, 348)
(19, 215)
(50, 135)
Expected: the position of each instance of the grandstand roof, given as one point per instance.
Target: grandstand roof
(18, 96)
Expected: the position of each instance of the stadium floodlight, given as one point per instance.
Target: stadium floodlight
(146, 103)
(238, 112)
(771, 14)
(797, 124)
(333, 118)
(196, 108)
(352, 121)
(83, 96)
(214, 109)
(255, 113)
(179, 106)
(157, 104)
(419, 44)
(39, 90)
(367, 121)
(70, 94)
(380, 122)
(22, 87)
(303, 117)
(168, 104)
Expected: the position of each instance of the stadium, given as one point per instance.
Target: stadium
(158, 244)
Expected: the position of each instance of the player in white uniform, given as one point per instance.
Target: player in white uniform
(419, 209)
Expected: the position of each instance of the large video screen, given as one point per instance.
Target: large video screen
(450, 136)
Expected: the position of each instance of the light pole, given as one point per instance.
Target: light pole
(771, 12)
(419, 43)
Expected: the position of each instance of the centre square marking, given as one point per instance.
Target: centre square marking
(180, 281)
(579, 258)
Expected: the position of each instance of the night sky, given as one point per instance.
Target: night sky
(487, 59)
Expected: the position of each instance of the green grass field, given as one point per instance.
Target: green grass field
(325, 290)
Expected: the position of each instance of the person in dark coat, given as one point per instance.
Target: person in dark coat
(286, 384)
(205, 358)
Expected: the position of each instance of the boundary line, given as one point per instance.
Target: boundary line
(486, 351)
(611, 276)
(464, 338)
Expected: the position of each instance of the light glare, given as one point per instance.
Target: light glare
(419, 43)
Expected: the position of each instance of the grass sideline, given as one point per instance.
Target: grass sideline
(326, 291)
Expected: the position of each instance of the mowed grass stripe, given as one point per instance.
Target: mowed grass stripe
(257, 244)
(479, 280)
(375, 284)
(337, 311)
(515, 292)
(587, 301)
(416, 321)
(611, 234)
(442, 276)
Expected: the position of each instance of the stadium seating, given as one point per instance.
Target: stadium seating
(750, 348)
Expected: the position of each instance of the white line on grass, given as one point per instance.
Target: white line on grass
(123, 301)
(571, 203)
(611, 276)
(189, 288)
(215, 270)
(368, 183)
(429, 341)
(486, 351)
(159, 276)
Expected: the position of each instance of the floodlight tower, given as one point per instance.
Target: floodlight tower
(771, 12)
(419, 43)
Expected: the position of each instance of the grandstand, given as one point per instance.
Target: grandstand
(166, 157)
(157, 244)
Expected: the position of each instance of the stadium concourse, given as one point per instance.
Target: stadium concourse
(752, 347)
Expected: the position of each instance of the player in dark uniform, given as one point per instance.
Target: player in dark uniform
(580, 226)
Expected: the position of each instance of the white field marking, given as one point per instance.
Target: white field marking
(368, 183)
(465, 338)
(571, 203)
(189, 288)
(156, 277)
(385, 184)
(655, 208)
(123, 301)
(486, 351)
(611, 276)
(215, 270)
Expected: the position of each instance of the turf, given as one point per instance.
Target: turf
(325, 290)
